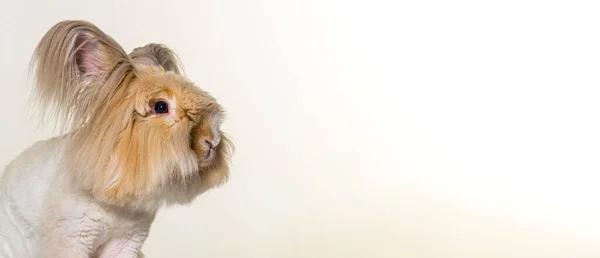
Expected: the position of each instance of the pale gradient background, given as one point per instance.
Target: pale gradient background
(368, 129)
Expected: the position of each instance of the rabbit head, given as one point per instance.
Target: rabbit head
(139, 132)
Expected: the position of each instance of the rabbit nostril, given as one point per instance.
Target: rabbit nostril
(210, 144)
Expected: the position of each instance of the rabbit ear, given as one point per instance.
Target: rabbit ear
(92, 56)
(157, 55)
(77, 67)
(78, 44)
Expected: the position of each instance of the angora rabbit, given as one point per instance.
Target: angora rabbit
(139, 136)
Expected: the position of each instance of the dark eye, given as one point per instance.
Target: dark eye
(161, 107)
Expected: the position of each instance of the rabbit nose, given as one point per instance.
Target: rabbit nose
(209, 143)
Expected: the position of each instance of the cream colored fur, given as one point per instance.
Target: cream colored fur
(94, 191)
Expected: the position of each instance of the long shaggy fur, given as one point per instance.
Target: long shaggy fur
(66, 87)
(157, 55)
(138, 135)
(117, 149)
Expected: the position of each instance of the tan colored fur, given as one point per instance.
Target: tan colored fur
(119, 150)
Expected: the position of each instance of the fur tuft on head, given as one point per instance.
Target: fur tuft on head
(157, 55)
(140, 134)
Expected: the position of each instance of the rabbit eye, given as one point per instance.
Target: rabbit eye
(161, 107)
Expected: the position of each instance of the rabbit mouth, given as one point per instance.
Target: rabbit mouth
(207, 156)
(210, 153)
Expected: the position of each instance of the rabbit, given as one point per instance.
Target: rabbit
(136, 136)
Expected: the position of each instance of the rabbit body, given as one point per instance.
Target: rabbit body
(139, 136)
(37, 208)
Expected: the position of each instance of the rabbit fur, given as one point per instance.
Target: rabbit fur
(137, 136)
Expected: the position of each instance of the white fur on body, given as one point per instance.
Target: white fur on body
(42, 214)
(141, 136)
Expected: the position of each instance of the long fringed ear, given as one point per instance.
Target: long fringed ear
(157, 55)
(73, 65)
